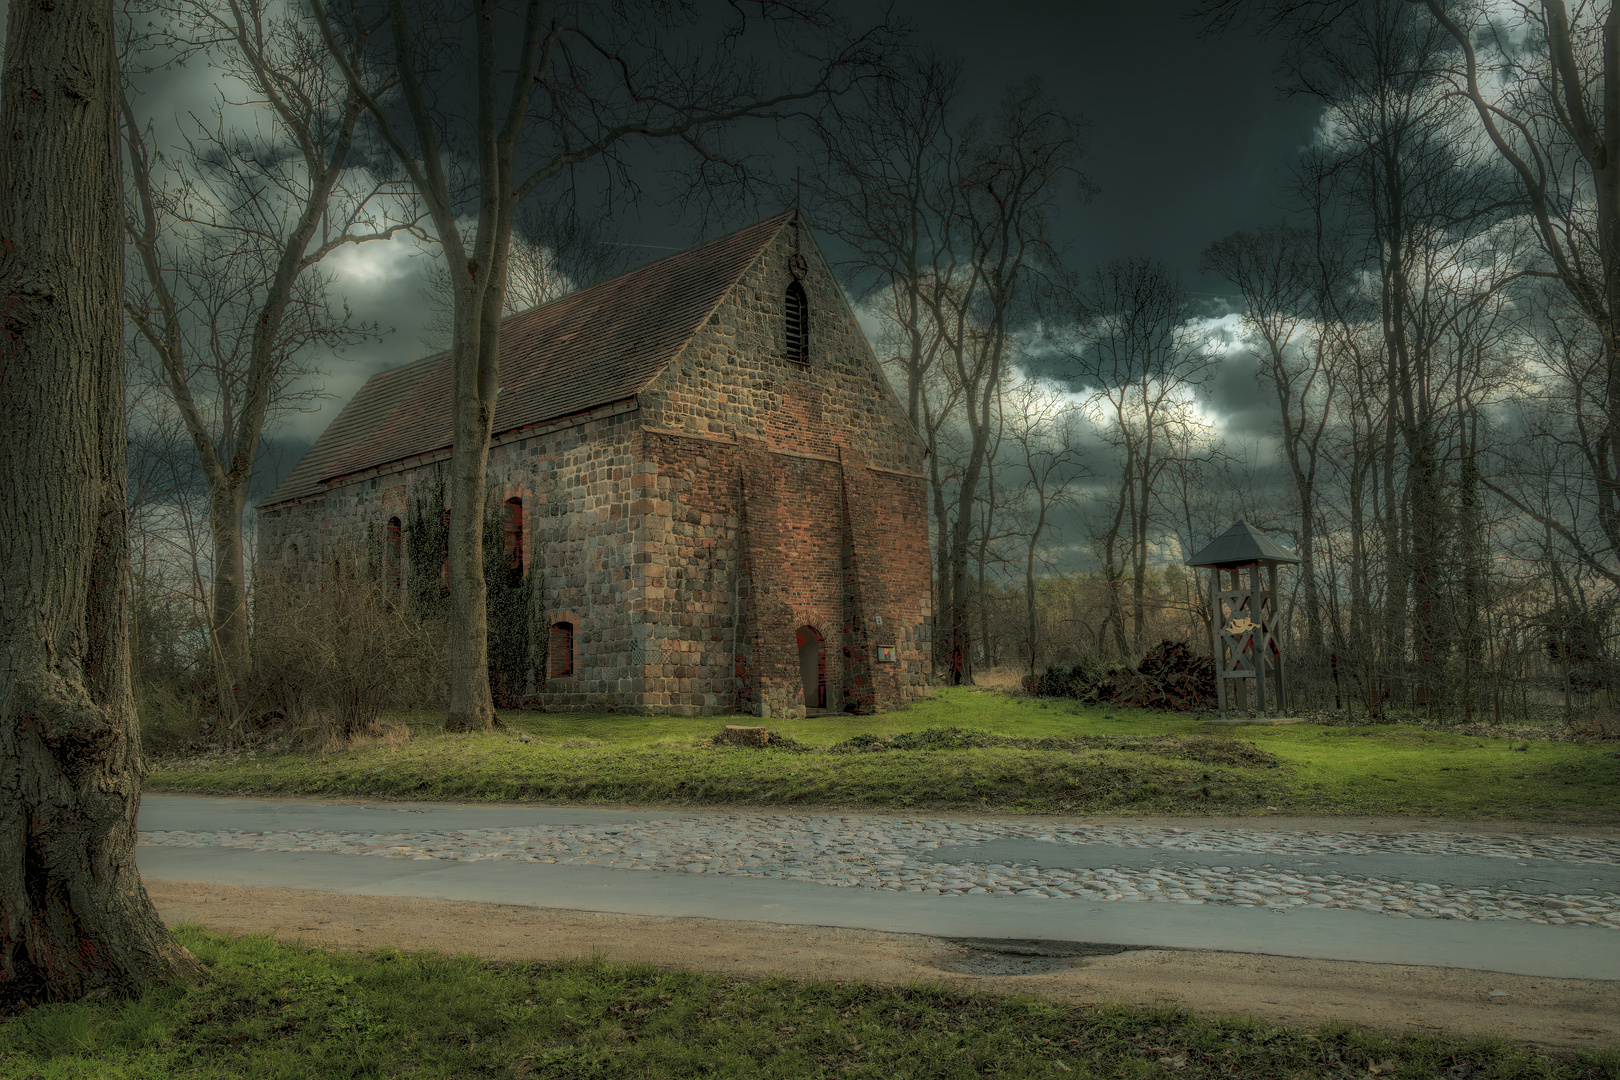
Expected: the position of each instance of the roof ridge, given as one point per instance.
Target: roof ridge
(784, 216)
(556, 359)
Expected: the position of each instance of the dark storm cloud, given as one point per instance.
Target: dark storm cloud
(1187, 132)
(1237, 396)
(1187, 136)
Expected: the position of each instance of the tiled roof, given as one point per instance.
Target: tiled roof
(593, 347)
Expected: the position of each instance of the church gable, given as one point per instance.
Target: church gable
(786, 506)
(783, 358)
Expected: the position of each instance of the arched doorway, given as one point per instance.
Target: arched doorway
(812, 667)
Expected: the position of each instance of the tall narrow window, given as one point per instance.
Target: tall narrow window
(798, 324)
(393, 552)
(444, 569)
(560, 657)
(513, 541)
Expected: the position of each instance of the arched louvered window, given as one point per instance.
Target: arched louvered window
(798, 324)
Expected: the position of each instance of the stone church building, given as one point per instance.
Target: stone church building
(703, 463)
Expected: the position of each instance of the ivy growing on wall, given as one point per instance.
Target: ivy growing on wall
(516, 652)
(427, 540)
(509, 608)
(374, 552)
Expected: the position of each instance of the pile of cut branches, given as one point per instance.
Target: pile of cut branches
(1170, 677)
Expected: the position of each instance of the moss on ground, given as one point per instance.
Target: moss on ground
(966, 750)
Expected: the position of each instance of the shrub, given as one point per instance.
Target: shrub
(1055, 681)
(1169, 677)
(331, 657)
(170, 718)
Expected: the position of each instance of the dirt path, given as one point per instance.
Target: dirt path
(1568, 1013)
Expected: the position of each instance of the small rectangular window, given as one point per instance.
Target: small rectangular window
(560, 656)
(444, 568)
(885, 654)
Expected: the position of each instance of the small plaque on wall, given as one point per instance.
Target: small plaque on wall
(885, 654)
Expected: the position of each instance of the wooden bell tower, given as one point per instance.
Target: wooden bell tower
(1243, 604)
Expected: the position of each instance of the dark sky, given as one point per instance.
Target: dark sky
(1188, 134)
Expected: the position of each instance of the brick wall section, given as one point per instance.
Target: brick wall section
(686, 562)
(690, 532)
(829, 474)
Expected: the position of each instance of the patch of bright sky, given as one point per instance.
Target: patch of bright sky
(377, 266)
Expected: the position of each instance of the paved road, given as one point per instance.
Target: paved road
(1543, 905)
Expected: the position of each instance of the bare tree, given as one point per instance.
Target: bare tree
(1013, 169)
(1143, 360)
(1551, 112)
(993, 534)
(75, 920)
(580, 85)
(951, 226)
(889, 155)
(1281, 271)
(228, 235)
(168, 515)
(1045, 431)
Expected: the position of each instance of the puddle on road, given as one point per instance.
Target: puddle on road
(1025, 956)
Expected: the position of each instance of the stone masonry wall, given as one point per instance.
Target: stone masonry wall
(688, 535)
(821, 471)
(575, 483)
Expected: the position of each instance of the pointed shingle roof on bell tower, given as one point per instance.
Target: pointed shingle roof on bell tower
(1241, 545)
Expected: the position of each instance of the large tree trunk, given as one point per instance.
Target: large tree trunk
(229, 601)
(961, 539)
(75, 921)
(472, 707)
(1429, 642)
(1111, 576)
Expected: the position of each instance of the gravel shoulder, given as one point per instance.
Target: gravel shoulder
(1563, 1013)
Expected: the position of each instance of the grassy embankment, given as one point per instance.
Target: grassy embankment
(278, 1012)
(1131, 762)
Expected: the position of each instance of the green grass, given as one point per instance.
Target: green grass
(277, 1012)
(661, 760)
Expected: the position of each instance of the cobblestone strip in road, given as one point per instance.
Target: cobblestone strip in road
(892, 853)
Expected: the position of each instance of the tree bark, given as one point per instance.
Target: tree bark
(75, 920)
(1029, 578)
(1111, 576)
(229, 598)
(472, 706)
